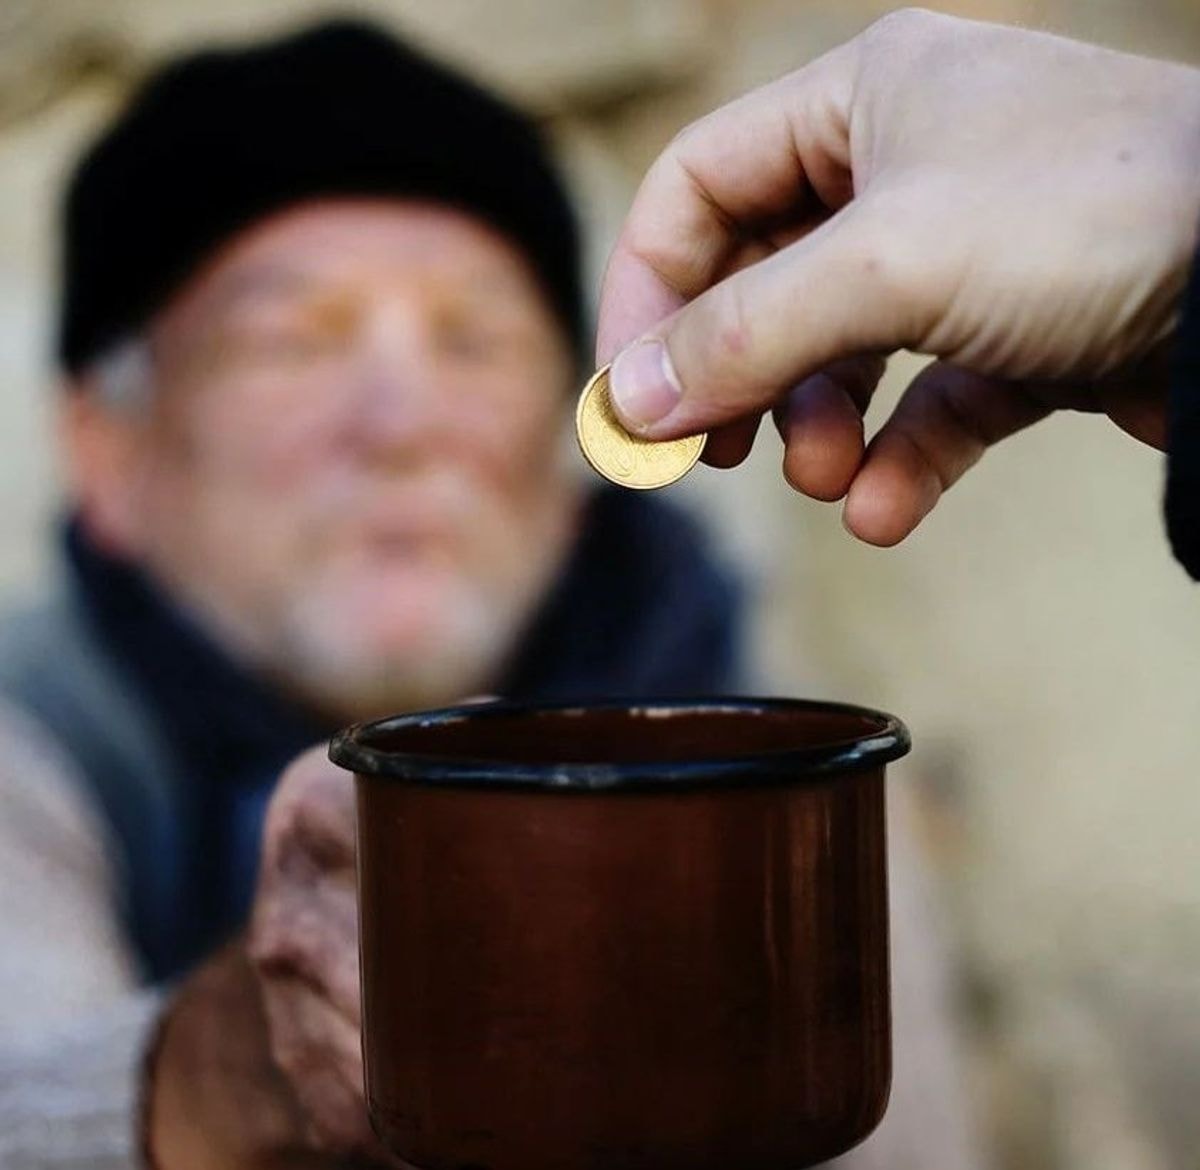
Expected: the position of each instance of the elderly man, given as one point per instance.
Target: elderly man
(321, 314)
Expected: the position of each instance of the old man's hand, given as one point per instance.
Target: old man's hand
(259, 1062)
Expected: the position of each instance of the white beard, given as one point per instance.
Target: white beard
(321, 640)
(326, 656)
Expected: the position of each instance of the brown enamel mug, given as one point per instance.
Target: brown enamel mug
(614, 936)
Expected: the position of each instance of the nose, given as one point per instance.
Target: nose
(396, 393)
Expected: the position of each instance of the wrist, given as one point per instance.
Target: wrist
(213, 1098)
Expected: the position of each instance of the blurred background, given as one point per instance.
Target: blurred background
(1035, 633)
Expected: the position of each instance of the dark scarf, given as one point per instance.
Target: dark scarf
(641, 608)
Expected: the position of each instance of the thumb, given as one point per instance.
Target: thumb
(851, 287)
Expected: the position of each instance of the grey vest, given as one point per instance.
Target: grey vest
(53, 667)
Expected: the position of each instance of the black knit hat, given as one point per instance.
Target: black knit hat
(216, 140)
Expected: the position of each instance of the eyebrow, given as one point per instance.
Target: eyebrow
(486, 285)
(275, 280)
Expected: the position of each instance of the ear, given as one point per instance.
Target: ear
(102, 449)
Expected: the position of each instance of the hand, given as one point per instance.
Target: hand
(260, 1061)
(1022, 207)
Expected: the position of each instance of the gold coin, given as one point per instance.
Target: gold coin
(621, 457)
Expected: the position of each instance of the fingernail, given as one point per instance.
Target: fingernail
(643, 384)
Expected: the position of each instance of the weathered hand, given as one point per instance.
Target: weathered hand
(1022, 207)
(304, 946)
(261, 1062)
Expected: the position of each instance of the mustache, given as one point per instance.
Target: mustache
(441, 502)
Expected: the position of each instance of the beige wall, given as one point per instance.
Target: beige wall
(1036, 633)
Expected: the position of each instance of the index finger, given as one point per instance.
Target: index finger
(311, 811)
(744, 168)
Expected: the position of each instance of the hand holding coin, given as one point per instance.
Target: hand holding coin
(626, 459)
(879, 199)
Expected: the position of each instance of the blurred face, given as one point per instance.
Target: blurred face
(349, 466)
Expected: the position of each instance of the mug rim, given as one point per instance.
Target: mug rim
(872, 748)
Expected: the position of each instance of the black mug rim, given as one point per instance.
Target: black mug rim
(888, 740)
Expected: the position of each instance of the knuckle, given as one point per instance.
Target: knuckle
(885, 258)
(290, 793)
(675, 181)
(277, 947)
(679, 144)
(304, 926)
(724, 327)
(899, 272)
(683, 142)
(280, 819)
(325, 833)
(266, 942)
(714, 345)
(312, 814)
(661, 251)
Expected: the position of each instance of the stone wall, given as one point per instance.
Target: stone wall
(1035, 633)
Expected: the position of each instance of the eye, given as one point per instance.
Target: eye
(475, 339)
(284, 344)
(295, 344)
